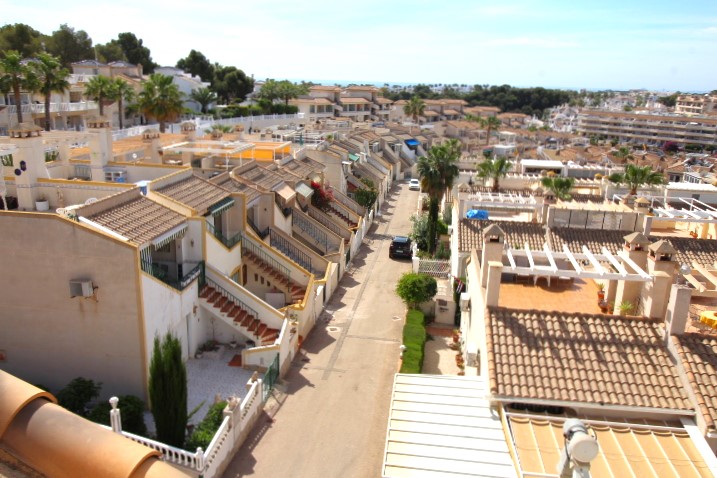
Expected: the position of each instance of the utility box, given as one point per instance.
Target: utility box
(81, 288)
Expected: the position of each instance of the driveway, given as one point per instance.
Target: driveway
(328, 416)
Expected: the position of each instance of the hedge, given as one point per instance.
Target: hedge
(414, 338)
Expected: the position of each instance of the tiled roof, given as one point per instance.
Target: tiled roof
(702, 251)
(352, 101)
(195, 192)
(699, 357)
(596, 359)
(261, 177)
(238, 187)
(140, 220)
(594, 239)
(470, 234)
(303, 167)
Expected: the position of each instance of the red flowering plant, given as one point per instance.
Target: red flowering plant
(322, 196)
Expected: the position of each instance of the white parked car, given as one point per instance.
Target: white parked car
(414, 184)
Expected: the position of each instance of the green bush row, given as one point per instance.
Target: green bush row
(414, 338)
(204, 432)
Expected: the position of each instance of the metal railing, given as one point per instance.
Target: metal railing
(257, 250)
(284, 246)
(229, 242)
(181, 283)
(321, 238)
(255, 228)
(232, 298)
(326, 222)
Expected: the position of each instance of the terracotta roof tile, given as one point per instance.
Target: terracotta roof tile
(195, 192)
(699, 357)
(600, 359)
(594, 239)
(702, 251)
(470, 234)
(140, 220)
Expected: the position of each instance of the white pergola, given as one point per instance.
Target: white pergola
(224, 148)
(694, 211)
(501, 200)
(616, 271)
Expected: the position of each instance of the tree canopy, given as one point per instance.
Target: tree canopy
(20, 38)
(52, 78)
(161, 99)
(232, 84)
(494, 169)
(70, 45)
(197, 64)
(636, 176)
(438, 170)
(136, 52)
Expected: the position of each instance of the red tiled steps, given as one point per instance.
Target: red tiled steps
(296, 292)
(265, 334)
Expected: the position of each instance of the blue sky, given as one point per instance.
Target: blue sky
(661, 45)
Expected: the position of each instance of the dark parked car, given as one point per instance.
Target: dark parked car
(400, 247)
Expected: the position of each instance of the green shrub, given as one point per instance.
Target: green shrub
(414, 288)
(204, 432)
(77, 394)
(414, 339)
(131, 411)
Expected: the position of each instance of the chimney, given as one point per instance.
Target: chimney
(678, 308)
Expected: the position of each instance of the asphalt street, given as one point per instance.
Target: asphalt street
(328, 416)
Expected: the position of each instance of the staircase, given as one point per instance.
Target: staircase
(230, 308)
(338, 213)
(296, 292)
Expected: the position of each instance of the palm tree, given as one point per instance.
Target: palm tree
(203, 96)
(414, 108)
(99, 88)
(161, 99)
(561, 187)
(624, 154)
(636, 176)
(490, 123)
(494, 169)
(52, 78)
(438, 170)
(18, 75)
(122, 91)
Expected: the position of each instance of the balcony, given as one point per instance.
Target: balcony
(179, 282)
(39, 109)
(229, 242)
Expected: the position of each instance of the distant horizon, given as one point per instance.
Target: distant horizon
(380, 84)
(610, 45)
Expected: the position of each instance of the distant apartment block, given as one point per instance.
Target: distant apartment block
(696, 104)
(652, 130)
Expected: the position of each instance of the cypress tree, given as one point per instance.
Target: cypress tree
(168, 391)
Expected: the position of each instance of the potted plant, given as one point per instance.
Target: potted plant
(456, 335)
(603, 306)
(601, 291)
(625, 307)
(41, 203)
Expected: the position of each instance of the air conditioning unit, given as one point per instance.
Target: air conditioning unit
(81, 288)
(465, 301)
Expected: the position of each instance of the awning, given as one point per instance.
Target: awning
(221, 206)
(353, 157)
(174, 233)
(304, 190)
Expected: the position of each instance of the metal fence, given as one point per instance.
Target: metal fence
(434, 267)
(270, 378)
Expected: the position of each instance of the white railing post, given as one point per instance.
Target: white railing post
(115, 416)
(199, 456)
